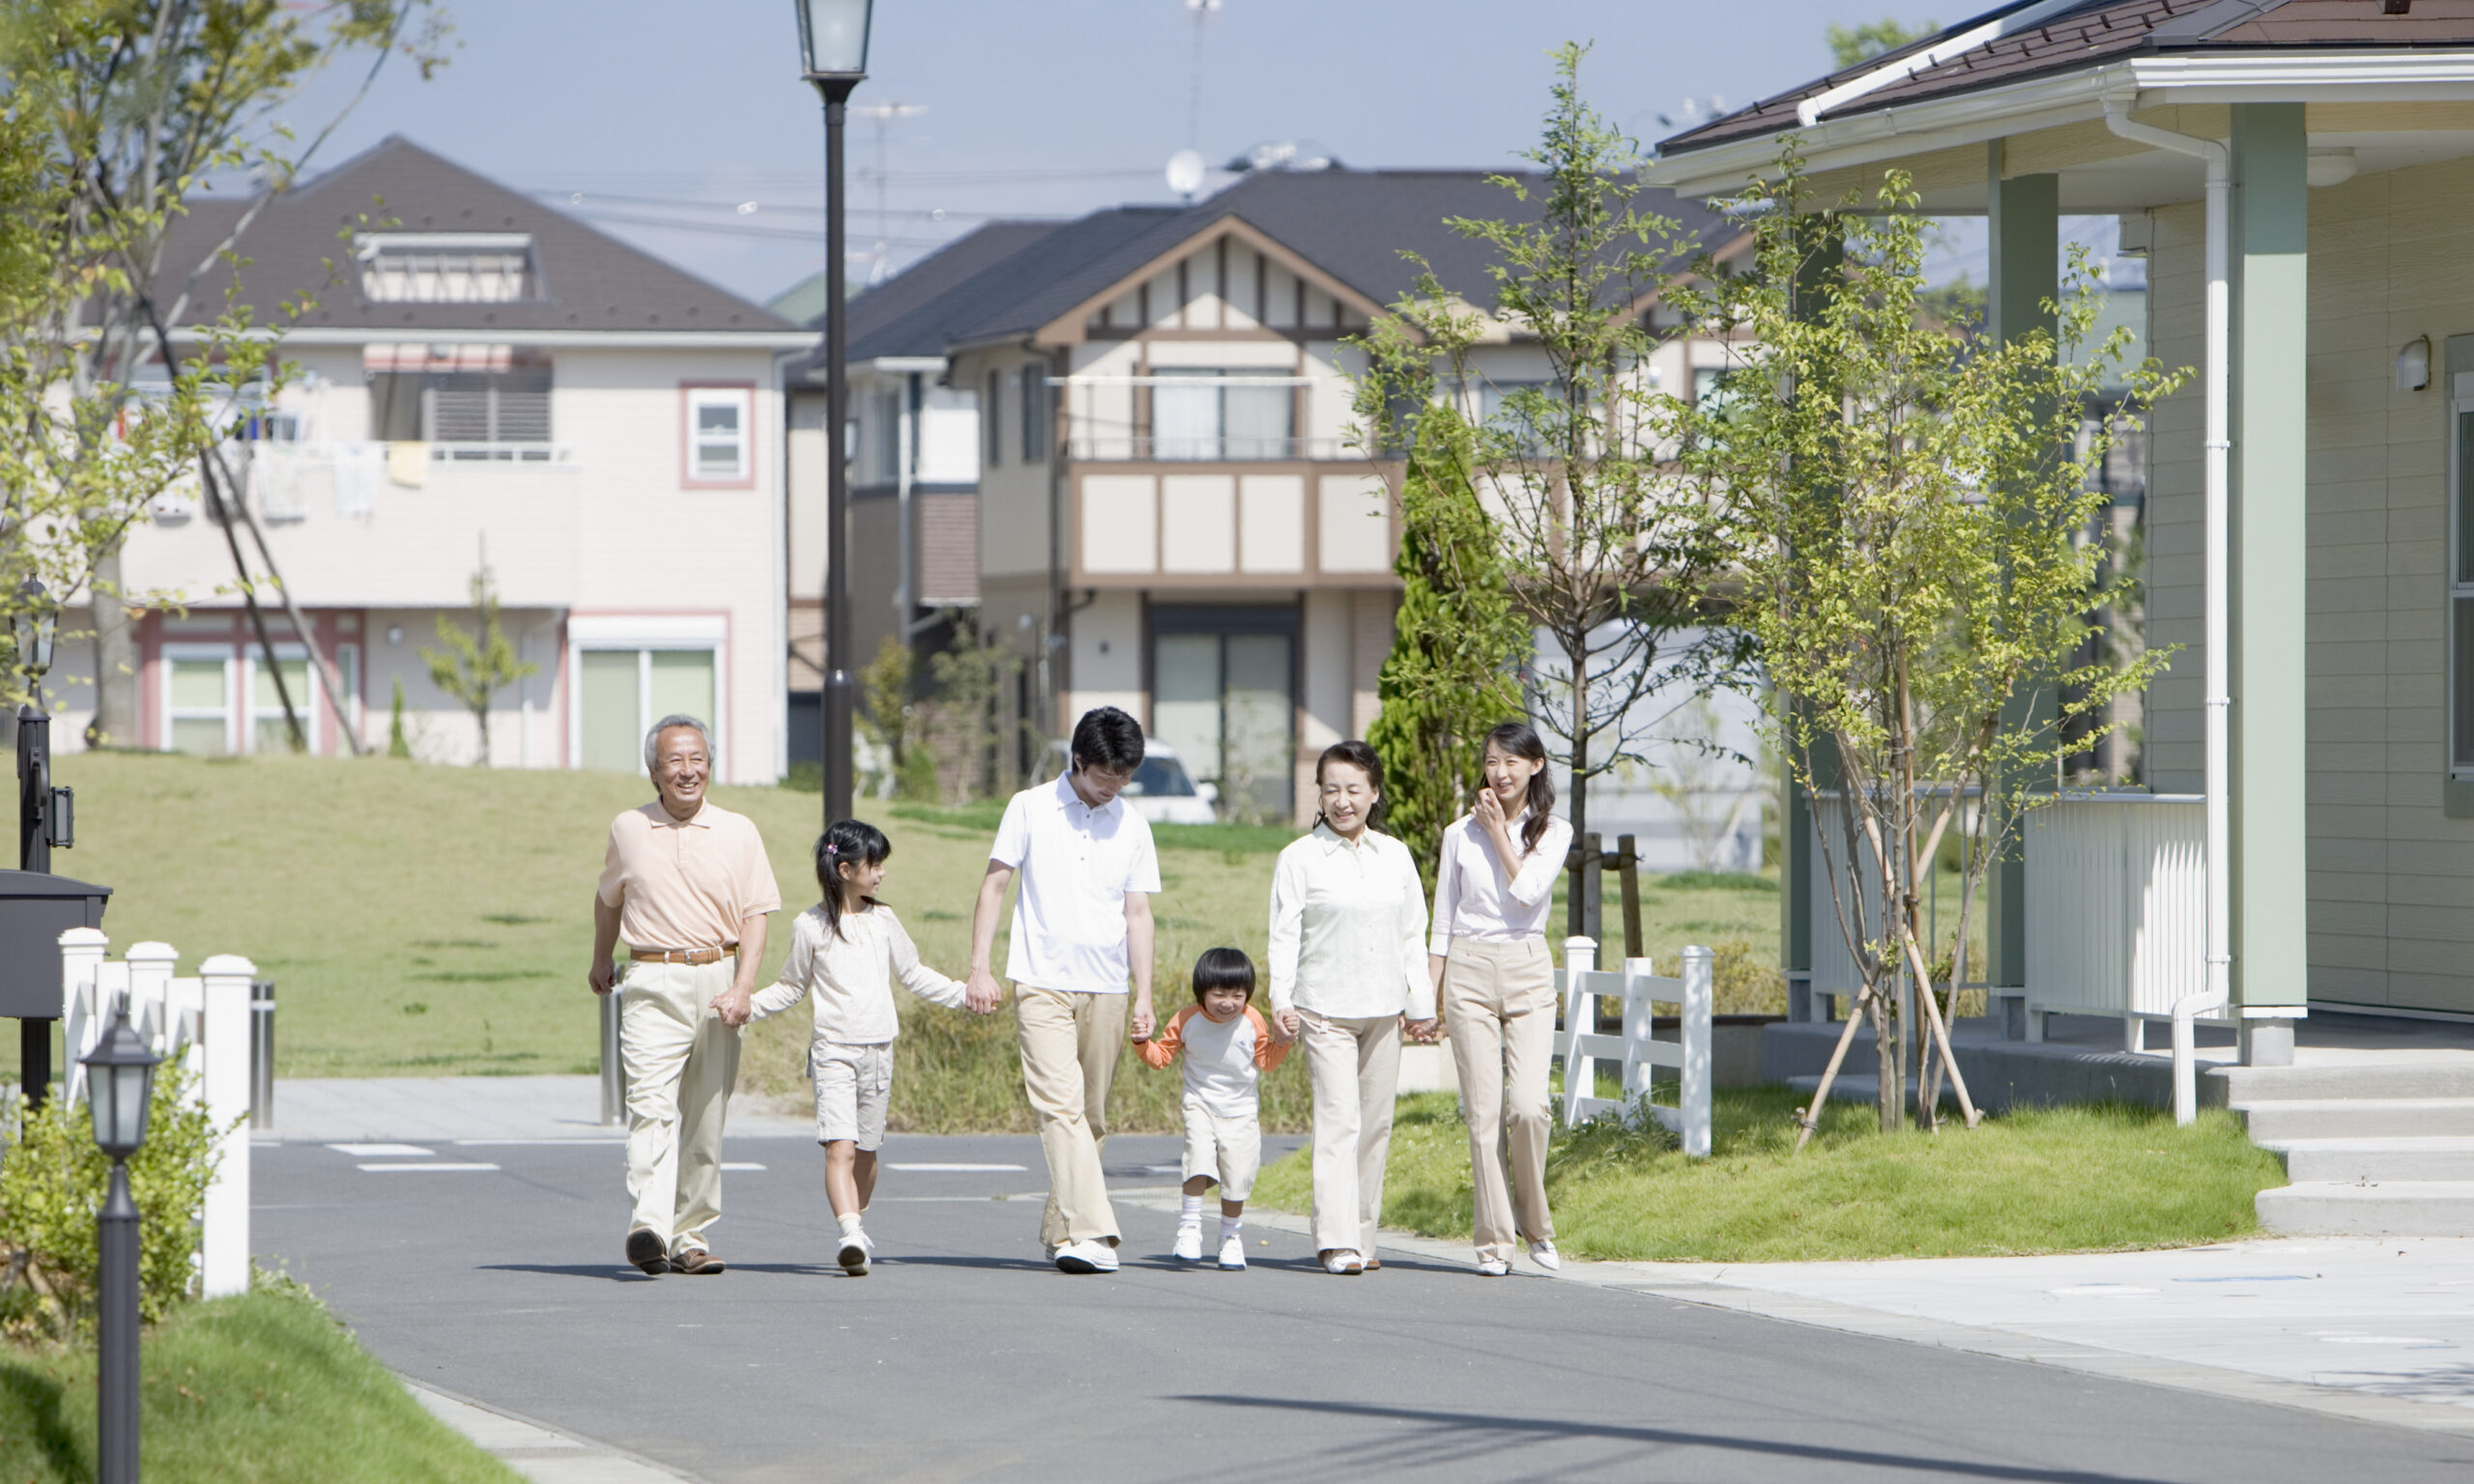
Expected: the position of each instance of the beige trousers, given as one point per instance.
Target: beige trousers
(1354, 1067)
(681, 1064)
(1071, 1039)
(1499, 1007)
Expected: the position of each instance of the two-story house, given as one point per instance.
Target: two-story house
(482, 380)
(1174, 514)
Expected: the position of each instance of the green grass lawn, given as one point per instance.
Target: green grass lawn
(2062, 1180)
(264, 1390)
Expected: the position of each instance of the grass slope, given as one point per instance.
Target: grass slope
(269, 1387)
(2060, 1180)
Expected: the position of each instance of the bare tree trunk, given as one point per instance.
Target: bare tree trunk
(115, 721)
(1575, 913)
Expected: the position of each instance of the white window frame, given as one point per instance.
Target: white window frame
(740, 400)
(221, 654)
(307, 706)
(2459, 580)
(645, 635)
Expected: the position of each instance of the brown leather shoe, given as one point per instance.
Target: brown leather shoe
(696, 1261)
(647, 1250)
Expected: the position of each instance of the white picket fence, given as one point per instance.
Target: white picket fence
(1637, 1050)
(203, 1023)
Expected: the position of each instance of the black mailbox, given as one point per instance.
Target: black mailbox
(35, 909)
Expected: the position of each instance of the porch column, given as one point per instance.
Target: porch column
(2025, 214)
(2272, 261)
(1797, 905)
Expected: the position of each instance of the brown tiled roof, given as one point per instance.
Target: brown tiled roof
(2103, 31)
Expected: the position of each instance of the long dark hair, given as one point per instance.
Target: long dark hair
(856, 842)
(1521, 740)
(1357, 754)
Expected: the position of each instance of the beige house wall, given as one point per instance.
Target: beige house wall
(2392, 878)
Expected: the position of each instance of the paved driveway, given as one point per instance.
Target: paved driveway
(965, 1356)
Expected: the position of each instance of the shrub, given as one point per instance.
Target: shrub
(52, 1182)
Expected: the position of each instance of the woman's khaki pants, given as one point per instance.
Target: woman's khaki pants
(1355, 1069)
(1499, 1008)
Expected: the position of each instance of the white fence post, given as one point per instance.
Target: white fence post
(1580, 1019)
(150, 989)
(224, 980)
(81, 955)
(1693, 1103)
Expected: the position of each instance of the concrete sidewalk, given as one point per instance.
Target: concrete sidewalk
(2359, 1327)
(416, 1110)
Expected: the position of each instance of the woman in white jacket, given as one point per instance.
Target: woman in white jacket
(1348, 925)
(1493, 880)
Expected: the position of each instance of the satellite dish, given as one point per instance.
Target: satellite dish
(1184, 172)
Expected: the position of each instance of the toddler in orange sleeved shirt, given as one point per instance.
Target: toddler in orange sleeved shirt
(1228, 1048)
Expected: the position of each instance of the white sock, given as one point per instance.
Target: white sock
(1190, 1214)
(849, 1223)
(1230, 1226)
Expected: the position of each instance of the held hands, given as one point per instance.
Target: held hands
(1143, 1021)
(981, 993)
(1286, 1025)
(735, 1007)
(1419, 1032)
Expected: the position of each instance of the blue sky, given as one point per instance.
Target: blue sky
(656, 112)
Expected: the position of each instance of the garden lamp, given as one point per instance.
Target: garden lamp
(120, 1083)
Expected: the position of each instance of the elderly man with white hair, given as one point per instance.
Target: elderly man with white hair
(687, 887)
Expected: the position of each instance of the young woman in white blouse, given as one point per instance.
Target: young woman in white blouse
(1493, 881)
(1348, 925)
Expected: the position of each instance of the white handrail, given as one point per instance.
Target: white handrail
(2186, 1089)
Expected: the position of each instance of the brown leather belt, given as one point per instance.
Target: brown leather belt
(682, 955)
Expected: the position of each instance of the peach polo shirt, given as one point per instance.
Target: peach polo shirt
(685, 885)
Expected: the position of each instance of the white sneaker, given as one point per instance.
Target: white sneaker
(857, 1251)
(1492, 1267)
(1542, 1252)
(1232, 1253)
(1189, 1247)
(1343, 1260)
(1091, 1254)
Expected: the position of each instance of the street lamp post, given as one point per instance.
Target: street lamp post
(120, 1082)
(31, 627)
(833, 46)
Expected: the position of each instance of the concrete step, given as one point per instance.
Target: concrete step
(2436, 1207)
(2395, 1074)
(2350, 1161)
(2282, 1119)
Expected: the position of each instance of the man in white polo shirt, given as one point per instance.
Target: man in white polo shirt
(1083, 926)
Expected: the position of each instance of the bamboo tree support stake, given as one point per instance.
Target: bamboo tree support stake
(1940, 1037)
(319, 664)
(219, 498)
(1808, 1120)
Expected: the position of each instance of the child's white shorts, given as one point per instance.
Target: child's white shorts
(1227, 1150)
(853, 1083)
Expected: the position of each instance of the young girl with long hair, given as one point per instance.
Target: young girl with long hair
(846, 952)
(1494, 879)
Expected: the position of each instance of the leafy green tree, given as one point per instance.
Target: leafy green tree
(113, 114)
(1910, 511)
(1850, 44)
(474, 667)
(1457, 639)
(1602, 551)
(397, 744)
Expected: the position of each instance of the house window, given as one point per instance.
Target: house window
(197, 700)
(267, 731)
(1223, 683)
(2460, 590)
(621, 692)
(446, 268)
(888, 460)
(505, 405)
(1034, 413)
(718, 419)
(1218, 414)
(992, 430)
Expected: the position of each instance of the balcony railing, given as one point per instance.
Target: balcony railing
(1127, 447)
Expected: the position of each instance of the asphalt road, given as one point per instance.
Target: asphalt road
(965, 1356)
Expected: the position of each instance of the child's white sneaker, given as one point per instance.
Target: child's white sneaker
(1089, 1255)
(1232, 1253)
(1189, 1247)
(1542, 1252)
(857, 1251)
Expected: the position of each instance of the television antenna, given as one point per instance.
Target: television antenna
(1201, 10)
(885, 114)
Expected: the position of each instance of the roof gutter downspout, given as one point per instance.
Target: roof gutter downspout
(2216, 398)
